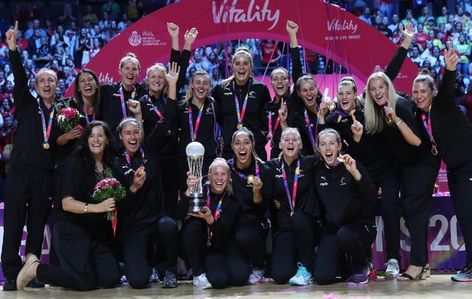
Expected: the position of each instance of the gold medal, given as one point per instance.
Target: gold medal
(46, 145)
(434, 151)
(291, 213)
(250, 180)
(239, 126)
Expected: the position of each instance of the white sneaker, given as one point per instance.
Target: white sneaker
(201, 282)
(392, 267)
(257, 276)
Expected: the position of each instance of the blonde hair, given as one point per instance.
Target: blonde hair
(239, 52)
(129, 57)
(221, 162)
(157, 67)
(373, 113)
(199, 72)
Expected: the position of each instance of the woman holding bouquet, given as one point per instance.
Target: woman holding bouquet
(206, 235)
(141, 216)
(83, 236)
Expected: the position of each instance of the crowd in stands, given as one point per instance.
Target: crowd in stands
(64, 36)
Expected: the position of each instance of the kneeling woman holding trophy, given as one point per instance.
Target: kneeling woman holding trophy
(211, 218)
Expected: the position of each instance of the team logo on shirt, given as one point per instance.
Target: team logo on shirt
(324, 183)
(343, 182)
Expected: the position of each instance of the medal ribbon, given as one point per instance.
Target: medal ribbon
(291, 198)
(122, 99)
(154, 108)
(86, 115)
(427, 125)
(311, 134)
(217, 213)
(194, 130)
(240, 112)
(46, 131)
(128, 157)
(277, 122)
(243, 176)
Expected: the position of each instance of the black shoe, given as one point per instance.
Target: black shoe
(35, 284)
(9, 285)
(170, 280)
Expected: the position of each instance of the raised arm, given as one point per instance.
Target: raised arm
(445, 97)
(292, 29)
(20, 90)
(396, 63)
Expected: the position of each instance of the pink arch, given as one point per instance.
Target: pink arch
(325, 28)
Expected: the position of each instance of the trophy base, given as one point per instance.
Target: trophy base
(196, 203)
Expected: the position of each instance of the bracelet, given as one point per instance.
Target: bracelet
(399, 121)
(85, 208)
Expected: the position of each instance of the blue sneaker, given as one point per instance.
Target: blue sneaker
(464, 275)
(302, 277)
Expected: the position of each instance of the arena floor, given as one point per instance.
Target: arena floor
(438, 286)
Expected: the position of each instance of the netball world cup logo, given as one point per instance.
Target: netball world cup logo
(134, 39)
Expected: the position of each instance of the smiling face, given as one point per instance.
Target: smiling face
(378, 91)
(156, 79)
(280, 82)
(97, 141)
(130, 136)
(242, 67)
(346, 97)
(308, 92)
(290, 144)
(422, 95)
(329, 147)
(129, 73)
(87, 85)
(242, 148)
(200, 86)
(219, 178)
(46, 83)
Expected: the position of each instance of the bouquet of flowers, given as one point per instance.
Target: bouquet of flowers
(68, 118)
(106, 188)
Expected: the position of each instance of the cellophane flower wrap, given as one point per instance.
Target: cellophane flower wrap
(106, 188)
(68, 118)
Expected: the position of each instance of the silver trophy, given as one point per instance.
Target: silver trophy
(195, 152)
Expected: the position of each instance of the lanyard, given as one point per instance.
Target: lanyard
(121, 93)
(245, 177)
(128, 157)
(426, 117)
(291, 198)
(155, 109)
(311, 134)
(194, 130)
(86, 115)
(241, 112)
(217, 213)
(46, 131)
(272, 131)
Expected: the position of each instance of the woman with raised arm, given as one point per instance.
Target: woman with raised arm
(280, 81)
(450, 135)
(240, 102)
(296, 209)
(83, 237)
(160, 106)
(29, 185)
(142, 221)
(207, 235)
(347, 198)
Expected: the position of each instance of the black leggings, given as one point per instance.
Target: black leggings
(460, 186)
(27, 201)
(137, 243)
(222, 267)
(251, 242)
(291, 246)
(390, 211)
(416, 192)
(353, 239)
(86, 264)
